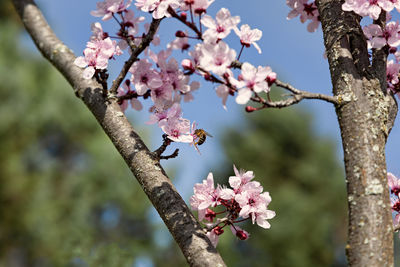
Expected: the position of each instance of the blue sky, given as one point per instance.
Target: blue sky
(293, 53)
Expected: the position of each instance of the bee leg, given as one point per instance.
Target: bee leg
(195, 146)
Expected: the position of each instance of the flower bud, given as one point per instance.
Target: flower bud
(218, 230)
(183, 16)
(180, 34)
(210, 215)
(242, 235)
(270, 80)
(250, 109)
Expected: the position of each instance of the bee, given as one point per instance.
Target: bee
(200, 137)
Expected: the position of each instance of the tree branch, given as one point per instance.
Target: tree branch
(297, 96)
(364, 124)
(185, 229)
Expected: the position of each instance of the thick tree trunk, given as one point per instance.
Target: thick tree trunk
(366, 116)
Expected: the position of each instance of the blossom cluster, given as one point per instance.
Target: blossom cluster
(394, 186)
(245, 200)
(306, 11)
(159, 76)
(377, 36)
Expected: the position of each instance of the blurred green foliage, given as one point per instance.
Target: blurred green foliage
(66, 196)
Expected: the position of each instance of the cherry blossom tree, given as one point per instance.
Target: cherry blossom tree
(364, 85)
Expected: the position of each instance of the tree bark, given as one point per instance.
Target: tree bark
(366, 117)
(183, 226)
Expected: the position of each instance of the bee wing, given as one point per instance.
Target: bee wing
(208, 134)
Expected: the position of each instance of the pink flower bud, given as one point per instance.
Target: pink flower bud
(210, 215)
(187, 65)
(250, 109)
(183, 16)
(207, 77)
(218, 230)
(180, 34)
(199, 11)
(270, 80)
(242, 235)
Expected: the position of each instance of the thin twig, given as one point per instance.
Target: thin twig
(173, 155)
(187, 23)
(305, 94)
(297, 96)
(166, 142)
(218, 221)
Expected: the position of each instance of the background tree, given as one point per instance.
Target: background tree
(65, 195)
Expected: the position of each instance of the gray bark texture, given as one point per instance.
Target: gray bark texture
(144, 165)
(366, 116)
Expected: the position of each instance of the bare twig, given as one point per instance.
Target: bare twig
(166, 142)
(135, 53)
(305, 94)
(217, 222)
(173, 155)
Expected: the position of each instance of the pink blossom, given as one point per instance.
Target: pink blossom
(255, 205)
(377, 38)
(371, 8)
(227, 193)
(241, 178)
(217, 57)
(188, 65)
(161, 8)
(314, 24)
(205, 195)
(96, 56)
(221, 26)
(392, 72)
(223, 92)
(307, 11)
(187, 97)
(178, 130)
(132, 22)
(248, 36)
(394, 183)
(172, 113)
(395, 203)
(144, 77)
(252, 79)
(97, 32)
(146, 5)
(198, 6)
(107, 8)
(213, 237)
(158, 7)
(163, 96)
